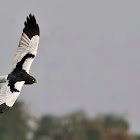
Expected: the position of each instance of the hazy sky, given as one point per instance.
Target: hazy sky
(88, 57)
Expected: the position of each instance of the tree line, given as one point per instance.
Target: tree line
(18, 124)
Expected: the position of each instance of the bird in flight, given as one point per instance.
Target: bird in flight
(19, 75)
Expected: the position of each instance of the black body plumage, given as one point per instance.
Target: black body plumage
(18, 74)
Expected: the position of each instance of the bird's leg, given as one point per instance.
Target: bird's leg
(3, 79)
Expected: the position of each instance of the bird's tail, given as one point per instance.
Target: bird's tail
(3, 79)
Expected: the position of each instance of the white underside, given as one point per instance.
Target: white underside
(6, 96)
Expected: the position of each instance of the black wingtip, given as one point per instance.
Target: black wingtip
(3, 108)
(31, 27)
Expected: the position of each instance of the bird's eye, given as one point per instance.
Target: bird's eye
(33, 80)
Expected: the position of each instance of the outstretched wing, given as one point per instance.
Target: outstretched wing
(8, 97)
(28, 45)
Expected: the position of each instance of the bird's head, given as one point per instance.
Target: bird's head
(32, 80)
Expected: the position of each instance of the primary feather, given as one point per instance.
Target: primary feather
(25, 54)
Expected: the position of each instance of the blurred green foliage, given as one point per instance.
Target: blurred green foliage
(15, 125)
(78, 126)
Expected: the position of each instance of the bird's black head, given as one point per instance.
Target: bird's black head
(30, 80)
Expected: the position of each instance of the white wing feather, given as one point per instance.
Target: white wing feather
(26, 46)
(6, 96)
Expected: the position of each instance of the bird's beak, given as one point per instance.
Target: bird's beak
(35, 82)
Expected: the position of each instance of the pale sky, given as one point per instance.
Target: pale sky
(88, 57)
